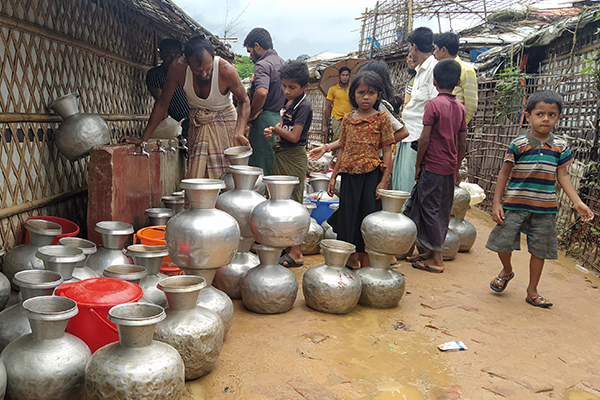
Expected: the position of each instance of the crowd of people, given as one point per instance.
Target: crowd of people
(427, 128)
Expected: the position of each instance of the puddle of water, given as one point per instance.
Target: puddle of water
(395, 390)
(580, 395)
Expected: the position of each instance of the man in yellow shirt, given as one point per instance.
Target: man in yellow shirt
(337, 104)
(445, 45)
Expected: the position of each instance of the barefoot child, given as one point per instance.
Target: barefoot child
(536, 160)
(290, 152)
(441, 150)
(363, 133)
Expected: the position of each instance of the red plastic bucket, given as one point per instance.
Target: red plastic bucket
(155, 236)
(69, 228)
(94, 297)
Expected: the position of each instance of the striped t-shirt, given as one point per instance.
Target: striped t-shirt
(532, 186)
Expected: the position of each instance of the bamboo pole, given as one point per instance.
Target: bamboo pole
(39, 203)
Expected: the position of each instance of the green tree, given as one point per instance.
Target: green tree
(245, 66)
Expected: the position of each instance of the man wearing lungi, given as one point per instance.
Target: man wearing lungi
(209, 82)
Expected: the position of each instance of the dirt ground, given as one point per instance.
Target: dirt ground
(515, 351)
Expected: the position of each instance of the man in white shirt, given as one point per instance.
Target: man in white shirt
(420, 47)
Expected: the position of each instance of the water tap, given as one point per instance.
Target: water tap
(183, 145)
(171, 147)
(158, 148)
(142, 151)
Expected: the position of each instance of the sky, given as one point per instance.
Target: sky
(298, 26)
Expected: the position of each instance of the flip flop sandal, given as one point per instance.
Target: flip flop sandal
(538, 301)
(287, 261)
(352, 268)
(425, 267)
(415, 258)
(499, 283)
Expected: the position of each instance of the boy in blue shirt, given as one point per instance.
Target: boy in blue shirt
(534, 162)
(290, 151)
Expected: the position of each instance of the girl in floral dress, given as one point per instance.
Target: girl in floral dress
(364, 132)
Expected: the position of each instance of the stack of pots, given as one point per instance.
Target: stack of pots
(386, 232)
(61, 259)
(114, 236)
(79, 132)
(240, 155)
(315, 234)
(239, 203)
(159, 216)
(276, 224)
(150, 258)
(23, 257)
(203, 239)
(13, 324)
(331, 287)
(88, 248)
(464, 229)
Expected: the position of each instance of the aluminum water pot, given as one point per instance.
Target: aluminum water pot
(22, 257)
(79, 132)
(382, 287)
(46, 364)
(4, 288)
(202, 238)
(135, 367)
(159, 216)
(389, 231)
(240, 201)
(13, 323)
(151, 258)
(229, 278)
(280, 221)
(464, 229)
(114, 236)
(240, 155)
(61, 259)
(3, 381)
(331, 287)
(315, 234)
(196, 332)
(269, 288)
(215, 299)
(88, 247)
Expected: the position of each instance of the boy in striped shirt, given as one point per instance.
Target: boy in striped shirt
(536, 160)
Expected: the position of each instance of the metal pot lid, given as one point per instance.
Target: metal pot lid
(145, 251)
(238, 152)
(114, 228)
(60, 253)
(87, 246)
(201, 183)
(159, 212)
(43, 227)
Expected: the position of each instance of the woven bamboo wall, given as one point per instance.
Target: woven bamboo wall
(48, 48)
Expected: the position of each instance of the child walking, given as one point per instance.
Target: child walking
(536, 160)
(441, 150)
(290, 152)
(363, 133)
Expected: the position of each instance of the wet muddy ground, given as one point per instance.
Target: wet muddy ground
(515, 350)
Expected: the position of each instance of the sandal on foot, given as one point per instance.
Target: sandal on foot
(538, 301)
(499, 283)
(425, 267)
(287, 261)
(415, 258)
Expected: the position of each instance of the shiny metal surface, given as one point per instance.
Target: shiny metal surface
(114, 233)
(240, 155)
(202, 237)
(13, 323)
(465, 231)
(4, 291)
(269, 288)
(451, 245)
(129, 273)
(159, 216)
(66, 106)
(151, 258)
(47, 364)
(389, 231)
(217, 301)
(136, 367)
(175, 203)
(461, 201)
(329, 233)
(61, 259)
(88, 247)
(229, 278)
(315, 234)
(240, 201)
(2, 380)
(106, 257)
(280, 221)
(381, 286)
(22, 257)
(77, 134)
(319, 185)
(196, 332)
(331, 287)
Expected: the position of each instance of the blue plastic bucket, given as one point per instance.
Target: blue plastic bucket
(322, 212)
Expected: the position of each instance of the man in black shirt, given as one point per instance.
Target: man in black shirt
(169, 50)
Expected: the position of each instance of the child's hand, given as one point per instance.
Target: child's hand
(268, 132)
(498, 214)
(331, 185)
(382, 185)
(585, 212)
(317, 153)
